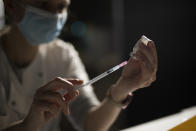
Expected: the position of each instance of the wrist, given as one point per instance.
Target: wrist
(118, 93)
(121, 101)
(118, 97)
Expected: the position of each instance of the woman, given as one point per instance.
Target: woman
(32, 55)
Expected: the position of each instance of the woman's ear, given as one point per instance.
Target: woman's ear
(13, 11)
(9, 6)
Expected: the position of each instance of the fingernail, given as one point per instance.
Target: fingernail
(75, 93)
(64, 98)
(150, 44)
(145, 40)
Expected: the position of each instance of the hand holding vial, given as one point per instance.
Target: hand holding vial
(140, 70)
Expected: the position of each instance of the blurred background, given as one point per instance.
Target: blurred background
(105, 31)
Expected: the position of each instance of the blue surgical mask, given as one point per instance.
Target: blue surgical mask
(40, 26)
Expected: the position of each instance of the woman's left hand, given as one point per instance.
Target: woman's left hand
(139, 72)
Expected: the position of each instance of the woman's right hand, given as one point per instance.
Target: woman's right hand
(48, 102)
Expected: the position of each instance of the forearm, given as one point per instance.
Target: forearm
(103, 116)
(19, 126)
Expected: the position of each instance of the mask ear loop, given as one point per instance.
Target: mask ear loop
(70, 19)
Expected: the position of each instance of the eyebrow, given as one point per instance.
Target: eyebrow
(66, 1)
(39, 1)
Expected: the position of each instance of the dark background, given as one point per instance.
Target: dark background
(104, 32)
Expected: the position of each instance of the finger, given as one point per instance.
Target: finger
(50, 97)
(153, 77)
(147, 84)
(58, 84)
(147, 51)
(150, 81)
(73, 92)
(75, 81)
(71, 95)
(145, 61)
(43, 106)
(146, 71)
(132, 66)
(152, 47)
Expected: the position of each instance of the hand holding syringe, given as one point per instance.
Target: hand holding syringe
(63, 92)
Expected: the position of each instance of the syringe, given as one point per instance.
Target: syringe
(63, 92)
(103, 75)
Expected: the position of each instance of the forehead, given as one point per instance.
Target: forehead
(53, 1)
